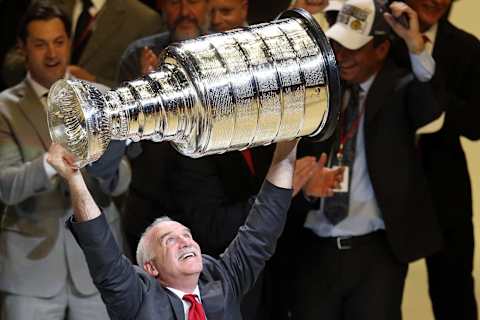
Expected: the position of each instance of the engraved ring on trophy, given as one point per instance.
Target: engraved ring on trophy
(228, 91)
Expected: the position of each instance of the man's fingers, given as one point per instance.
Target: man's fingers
(397, 27)
(322, 160)
(305, 163)
(399, 8)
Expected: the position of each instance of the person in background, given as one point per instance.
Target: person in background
(185, 19)
(153, 164)
(102, 30)
(455, 83)
(315, 8)
(359, 242)
(228, 14)
(332, 9)
(44, 274)
(96, 44)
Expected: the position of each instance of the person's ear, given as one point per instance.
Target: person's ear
(150, 269)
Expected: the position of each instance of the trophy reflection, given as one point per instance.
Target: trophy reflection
(228, 91)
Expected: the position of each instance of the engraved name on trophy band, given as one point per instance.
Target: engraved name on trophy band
(228, 91)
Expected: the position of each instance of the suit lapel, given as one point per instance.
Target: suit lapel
(177, 305)
(439, 50)
(379, 92)
(33, 110)
(213, 299)
(107, 22)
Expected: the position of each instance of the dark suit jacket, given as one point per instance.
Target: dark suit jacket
(129, 67)
(212, 195)
(129, 293)
(456, 82)
(396, 106)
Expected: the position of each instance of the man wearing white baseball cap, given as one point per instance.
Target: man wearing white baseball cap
(357, 244)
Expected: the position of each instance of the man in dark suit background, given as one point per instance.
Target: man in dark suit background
(359, 242)
(456, 82)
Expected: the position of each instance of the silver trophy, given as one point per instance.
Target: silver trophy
(227, 91)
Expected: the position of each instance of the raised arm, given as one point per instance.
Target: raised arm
(255, 243)
(84, 207)
(121, 288)
(282, 168)
(422, 62)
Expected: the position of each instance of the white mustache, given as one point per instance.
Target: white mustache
(187, 251)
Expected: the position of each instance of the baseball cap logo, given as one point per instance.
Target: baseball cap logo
(356, 25)
(354, 17)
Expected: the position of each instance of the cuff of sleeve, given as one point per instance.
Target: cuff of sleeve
(267, 185)
(423, 65)
(49, 170)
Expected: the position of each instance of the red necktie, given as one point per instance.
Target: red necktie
(196, 311)
(247, 155)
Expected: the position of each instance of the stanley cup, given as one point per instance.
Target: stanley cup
(227, 91)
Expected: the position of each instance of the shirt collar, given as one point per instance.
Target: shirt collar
(39, 90)
(180, 293)
(432, 33)
(98, 5)
(365, 86)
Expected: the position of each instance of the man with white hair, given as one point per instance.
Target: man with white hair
(175, 281)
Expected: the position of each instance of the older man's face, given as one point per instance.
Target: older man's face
(176, 254)
(186, 19)
(429, 11)
(46, 49)
(228, 14)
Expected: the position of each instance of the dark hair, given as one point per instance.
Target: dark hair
(378, 40)
(42, 10)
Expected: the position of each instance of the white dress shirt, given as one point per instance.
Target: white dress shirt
(436, 124)
(364, 215)
(186, 304)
